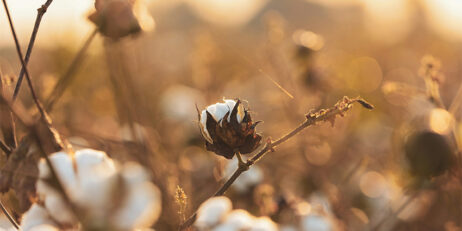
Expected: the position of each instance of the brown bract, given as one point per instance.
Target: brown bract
(115, 18)
(231, 136)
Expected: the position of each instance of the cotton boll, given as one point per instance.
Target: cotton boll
(314, 222)
(96, 177)
(44, 227)
(236, 220)
(54, 203)
(58, 209)
(178, 102)
(263, 224)
(90, 179)
(142, 203)
(36, 216)
(5, 224)
(288, 228)
(63, 166)
(212, 211)
(236, 133)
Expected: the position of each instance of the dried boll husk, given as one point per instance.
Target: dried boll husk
(115, 18)
(231, 133)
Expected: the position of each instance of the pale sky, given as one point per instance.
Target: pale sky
(62, 18)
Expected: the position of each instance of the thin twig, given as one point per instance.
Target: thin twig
(5, 148)
(64, 81)
(18, 49)
(40, 12)
(311, 119)
(8, 215)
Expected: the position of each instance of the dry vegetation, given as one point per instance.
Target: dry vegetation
(114, 133)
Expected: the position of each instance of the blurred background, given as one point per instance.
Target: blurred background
(135, 98)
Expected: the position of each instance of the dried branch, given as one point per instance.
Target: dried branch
(18, 50)
(7, 127)
(40, 12)
(8, 215)
(311, 119)
(5, 148)
(67, 78)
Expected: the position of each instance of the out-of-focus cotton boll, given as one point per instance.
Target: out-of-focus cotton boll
(212, 211)
(89, 178)
(246, 180)
(178, 102)
(5, 224)
(314, 222)
(142, 205)
(44, 227)
(288, 228)
(227, 12)
(236, 220)
(263, 224)
(215, 214)
(36, 216)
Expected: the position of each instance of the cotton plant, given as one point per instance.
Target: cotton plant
(216, 214)
(103, 193)
(316, 214)
(228, 131)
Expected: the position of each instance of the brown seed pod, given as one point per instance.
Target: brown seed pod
(115, 18)
(228, 128)
(428, 154)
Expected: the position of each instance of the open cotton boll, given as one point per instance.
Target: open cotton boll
(142, 204)
(212, 211)
(44, 227)
(313, 222)
(263, 224)
(53, 201)
(218, 111)
(236, 220)
(89, 178)
(36, 217)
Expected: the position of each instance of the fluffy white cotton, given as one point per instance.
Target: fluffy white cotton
(246, 180)
(215, 214)
(236, 220)
(212, 211)
(44, 227)
(87, 176)
(36, 218)
(218, 111)
(143, 204)
(314, 222)
(263, 224)
(93, 181)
